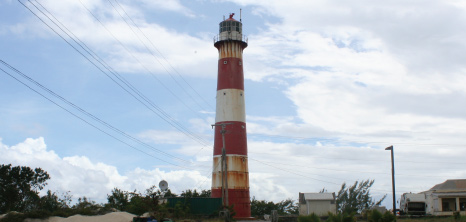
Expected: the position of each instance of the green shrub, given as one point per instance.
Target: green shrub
(374, 216)
(340, 217)
(310, 218)
(388, 217)
(38, 214)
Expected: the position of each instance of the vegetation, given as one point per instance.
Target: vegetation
(261, 207)
(341, 218)
(19, 187)
(356, 198)
(309, 218)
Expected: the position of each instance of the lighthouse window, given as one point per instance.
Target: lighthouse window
(239, 62)
(225, 62)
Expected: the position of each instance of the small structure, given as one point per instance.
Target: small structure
(413, 204)
(445, 198)
(319, 203)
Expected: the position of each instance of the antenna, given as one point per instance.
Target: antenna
(239, 15)
(163, 185)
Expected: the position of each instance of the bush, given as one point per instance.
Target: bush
(388, 217)
(374, 216)
(340, 218)
(310, 218)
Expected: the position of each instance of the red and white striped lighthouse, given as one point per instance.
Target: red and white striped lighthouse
(231, 116)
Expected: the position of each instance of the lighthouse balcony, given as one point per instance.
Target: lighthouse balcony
(230, 36)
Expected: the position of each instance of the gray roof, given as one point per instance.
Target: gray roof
(453, 185)
(319, 196)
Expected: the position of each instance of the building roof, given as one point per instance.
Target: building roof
(319, 196)
(450, 185)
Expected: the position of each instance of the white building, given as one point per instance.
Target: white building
(446, 198)
(318, 203)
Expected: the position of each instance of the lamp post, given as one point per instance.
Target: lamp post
(393, 179)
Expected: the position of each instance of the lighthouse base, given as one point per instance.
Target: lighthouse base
(239, 198)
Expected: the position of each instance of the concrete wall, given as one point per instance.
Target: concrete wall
(445, 203)
(319, 207)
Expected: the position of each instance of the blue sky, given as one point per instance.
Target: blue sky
(328, 85)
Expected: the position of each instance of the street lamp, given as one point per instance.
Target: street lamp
(393, 179)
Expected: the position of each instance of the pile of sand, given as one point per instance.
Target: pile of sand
(110, 217)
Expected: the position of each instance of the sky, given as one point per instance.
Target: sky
(119, 93)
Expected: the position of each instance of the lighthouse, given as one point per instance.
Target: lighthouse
(230, 175)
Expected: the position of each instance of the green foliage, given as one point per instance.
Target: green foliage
(51, 202)
(85, 206)
(375, 216)
(457, 215)
(118, 199)
(356, 198)
(388, 217)
(138, 205)
(20, 186)
(261, 207)
(181, 210)
(194, 193)
(340, 218)
(309, 218)
(287, 206)
(160, 212)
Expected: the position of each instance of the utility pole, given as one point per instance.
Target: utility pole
(224, 165)
(393, 179)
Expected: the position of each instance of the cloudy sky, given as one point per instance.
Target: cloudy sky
(120, 93)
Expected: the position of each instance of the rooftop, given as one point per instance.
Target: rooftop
(453, 185)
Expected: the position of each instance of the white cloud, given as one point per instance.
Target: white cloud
(83, 177)
(168, 48)
(170, 5)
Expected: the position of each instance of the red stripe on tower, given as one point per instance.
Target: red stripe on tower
(231, 112)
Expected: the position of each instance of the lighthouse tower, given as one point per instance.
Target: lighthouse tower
(230, 121)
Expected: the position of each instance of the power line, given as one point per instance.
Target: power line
(75, 115)
(89, 114)
(140, 63)
(117, 75)
(342, 170)
(363, 160)
(167, 118)
(317, 139)
(160, 53)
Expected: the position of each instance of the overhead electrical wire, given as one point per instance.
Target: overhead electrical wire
(84, 112)
(343, 170)
(112, 71)
(150, 52)
(130, 90)
(354, 141)
(139, 62)
(161, 54)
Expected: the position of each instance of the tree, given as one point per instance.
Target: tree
(356, 198)
(287, 206)
(194, 193)
(20, 186)
(119, 199)
(261, 207)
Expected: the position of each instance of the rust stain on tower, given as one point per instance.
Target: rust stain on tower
(230, 110)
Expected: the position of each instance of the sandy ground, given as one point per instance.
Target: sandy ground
(110, 217)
